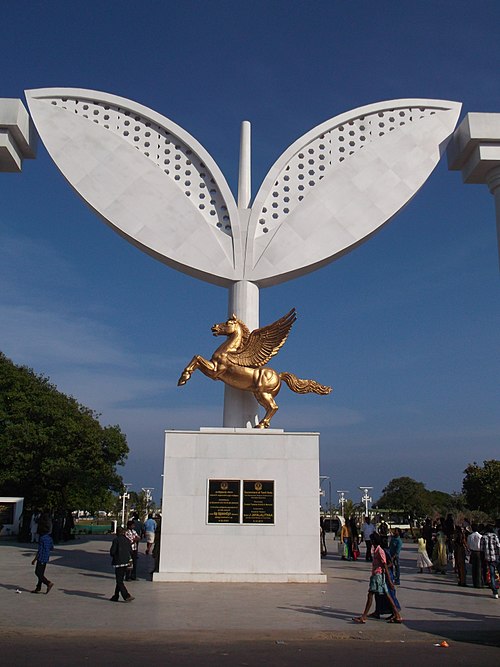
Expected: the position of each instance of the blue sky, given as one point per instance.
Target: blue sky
(406, 327)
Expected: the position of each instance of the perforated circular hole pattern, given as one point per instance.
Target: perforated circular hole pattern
(163, 148)
(310, 165)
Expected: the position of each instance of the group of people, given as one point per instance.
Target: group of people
(446, 543)
(124, 550)
(443, 544)
(60, 524)
(351, 537)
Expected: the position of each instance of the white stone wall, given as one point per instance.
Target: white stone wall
(193, 550)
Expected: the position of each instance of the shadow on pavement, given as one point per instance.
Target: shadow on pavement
(327, 612)
(84, 594)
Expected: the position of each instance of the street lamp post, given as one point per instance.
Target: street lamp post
(322, 478)
(124, 497)
(342, 501)
(148, 496)
(366, 498)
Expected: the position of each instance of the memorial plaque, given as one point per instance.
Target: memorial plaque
(7, 513)
(258, 501)
(223, 501)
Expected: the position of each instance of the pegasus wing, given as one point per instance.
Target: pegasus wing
(145, 176)
(342, 181)
(264, 343)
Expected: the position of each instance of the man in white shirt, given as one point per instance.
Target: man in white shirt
(367, 530)
(474, 546)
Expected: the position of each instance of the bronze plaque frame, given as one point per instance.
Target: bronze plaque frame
(224, 501)
(258, 502)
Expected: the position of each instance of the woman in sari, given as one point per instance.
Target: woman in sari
(380, 583)
(439, 555)
(460, 552)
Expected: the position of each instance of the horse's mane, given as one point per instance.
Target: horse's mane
(245, 332)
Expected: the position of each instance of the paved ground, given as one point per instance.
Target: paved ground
(237, 624)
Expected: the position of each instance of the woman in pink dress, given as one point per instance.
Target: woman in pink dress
(380, 580)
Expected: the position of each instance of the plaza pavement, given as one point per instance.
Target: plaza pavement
(219, 624)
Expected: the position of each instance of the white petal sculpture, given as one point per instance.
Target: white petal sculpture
(159, 188)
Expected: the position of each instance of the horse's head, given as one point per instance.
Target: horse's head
(226, 328)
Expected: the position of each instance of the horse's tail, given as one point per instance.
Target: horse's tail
(304, 386)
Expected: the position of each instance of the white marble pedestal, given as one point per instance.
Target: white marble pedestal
(287, 550)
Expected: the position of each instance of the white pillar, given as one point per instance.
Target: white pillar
(245, 167)
(240, 407)
(475, 151)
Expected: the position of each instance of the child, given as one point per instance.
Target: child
(423, 559)
(45, 544)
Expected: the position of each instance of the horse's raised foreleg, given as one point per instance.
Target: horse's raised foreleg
(208, 368)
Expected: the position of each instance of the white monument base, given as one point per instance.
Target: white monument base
(286, 549)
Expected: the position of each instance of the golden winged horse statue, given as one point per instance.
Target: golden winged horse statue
(240, 362)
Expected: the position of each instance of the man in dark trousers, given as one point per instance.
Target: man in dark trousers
(490, 547)
(45, 544)
(121, 553)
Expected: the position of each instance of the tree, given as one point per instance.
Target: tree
(443, 503)
(404, 493)
(351, 508)
(138, 502)
(54, 451)
(481, 487)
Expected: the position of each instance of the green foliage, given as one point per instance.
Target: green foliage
(351, 508)
(404, 493)
(53, 450)
(481, 487)
(481, 494)
(137, 502)
(443, 503)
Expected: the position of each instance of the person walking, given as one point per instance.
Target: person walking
(322, 539)
(382, 604)
(427, 534)
(383, 531)
(460, 552)
(367, 530)
(423, 559)
(346, 537)
(45, 544)
(439, 557)
(149, 533)
(121, 554)
(134, 539)
(354, 537)
(34, 526)
(395, 546)
(490, 547)
(380, 582)
(474, 546)
(138, 526)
